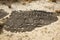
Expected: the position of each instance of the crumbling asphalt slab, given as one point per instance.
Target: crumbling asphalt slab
(22, 21)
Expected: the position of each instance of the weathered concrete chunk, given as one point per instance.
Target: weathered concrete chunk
(21, 21)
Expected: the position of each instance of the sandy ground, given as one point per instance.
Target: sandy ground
(48, 32)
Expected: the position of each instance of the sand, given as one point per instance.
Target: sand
(47, 32)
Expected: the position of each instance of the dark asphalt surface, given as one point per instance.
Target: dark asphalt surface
(28, 20)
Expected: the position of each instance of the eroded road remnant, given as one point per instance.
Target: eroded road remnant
(21, 21)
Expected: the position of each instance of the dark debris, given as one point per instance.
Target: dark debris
(3, 13)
